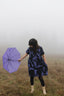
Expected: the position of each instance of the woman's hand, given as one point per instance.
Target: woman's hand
(19, 60)
(22, 57)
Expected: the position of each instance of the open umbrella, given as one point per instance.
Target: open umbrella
(10, 60)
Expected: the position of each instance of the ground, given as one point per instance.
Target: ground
(18, 83)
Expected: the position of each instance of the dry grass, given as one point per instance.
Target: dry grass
(18, 83)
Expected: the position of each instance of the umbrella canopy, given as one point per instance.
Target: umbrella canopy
(10, 60)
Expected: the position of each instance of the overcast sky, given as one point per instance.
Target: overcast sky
(21, 20)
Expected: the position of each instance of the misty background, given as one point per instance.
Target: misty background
(21, 20)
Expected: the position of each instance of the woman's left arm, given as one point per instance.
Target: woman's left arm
(44, 58)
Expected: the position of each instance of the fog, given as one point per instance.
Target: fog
(21, 20)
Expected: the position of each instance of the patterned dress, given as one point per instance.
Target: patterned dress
(36, 64)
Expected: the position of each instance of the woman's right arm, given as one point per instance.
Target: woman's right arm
(22, 57)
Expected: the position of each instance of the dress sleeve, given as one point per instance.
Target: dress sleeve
(27, 51)
(41, 51)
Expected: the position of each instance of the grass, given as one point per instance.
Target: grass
(18, 83)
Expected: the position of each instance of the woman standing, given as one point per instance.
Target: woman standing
(37, 65)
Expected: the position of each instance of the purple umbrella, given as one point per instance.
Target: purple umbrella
(10, 60)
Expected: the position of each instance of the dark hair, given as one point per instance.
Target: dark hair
(34, 43)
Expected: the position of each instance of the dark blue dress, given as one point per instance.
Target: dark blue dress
(36, 64)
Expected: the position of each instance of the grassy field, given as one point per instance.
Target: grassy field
(18, 83)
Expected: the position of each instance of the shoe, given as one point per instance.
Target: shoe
(32, 88)
(44, 90)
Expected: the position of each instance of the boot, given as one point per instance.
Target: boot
(44, 90)
(32, 88)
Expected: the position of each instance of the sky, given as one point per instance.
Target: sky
(21, 20)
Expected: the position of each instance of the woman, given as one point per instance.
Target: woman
(37, 65)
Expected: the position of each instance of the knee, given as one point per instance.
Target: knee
(31, 78)
(40, 77)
